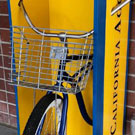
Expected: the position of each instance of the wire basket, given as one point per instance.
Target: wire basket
(50, 63)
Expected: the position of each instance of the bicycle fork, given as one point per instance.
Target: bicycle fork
(62, 67)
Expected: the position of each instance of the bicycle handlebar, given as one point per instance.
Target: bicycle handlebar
(59, 35)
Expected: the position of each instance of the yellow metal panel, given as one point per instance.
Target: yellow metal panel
(62, 14)
(115, 68)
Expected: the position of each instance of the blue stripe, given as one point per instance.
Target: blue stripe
(15, 87)
(64, 115)
(124, 121)
(98, 64)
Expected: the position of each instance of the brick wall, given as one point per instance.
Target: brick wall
(131, 72)
(7, 96)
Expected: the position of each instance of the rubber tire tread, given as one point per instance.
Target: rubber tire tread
(37, 113)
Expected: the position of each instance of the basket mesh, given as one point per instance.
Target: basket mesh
(49, 63)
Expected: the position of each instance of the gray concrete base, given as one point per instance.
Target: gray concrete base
(5, 130)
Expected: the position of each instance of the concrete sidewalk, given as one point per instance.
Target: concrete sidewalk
(5, 130)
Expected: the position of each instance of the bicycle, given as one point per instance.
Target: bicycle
(74, 83)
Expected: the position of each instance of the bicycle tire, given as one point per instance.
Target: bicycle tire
(39, 112)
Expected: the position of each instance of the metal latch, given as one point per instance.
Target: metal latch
(59, 53)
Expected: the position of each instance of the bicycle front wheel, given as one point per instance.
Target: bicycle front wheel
(46, 116)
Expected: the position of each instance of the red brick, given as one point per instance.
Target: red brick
(2, 96)
(12, 109)
(4, 118)
(132, 49)
(127, 128)
(7, 62)
(7, 74)
(4, 23)
(6, 49)
(3, 107)
(132, 31)
(5, 34)
(13, 121)
(131, 66)
(3, 7)
(2, 84)
(129, 113)
(130, 98)
(1, 60)
(133, 12)
(10, 88)
(1, 73)
(11, 98)
(131, 83)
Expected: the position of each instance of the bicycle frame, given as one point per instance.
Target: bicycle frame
(65, 96)
(79, 96)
